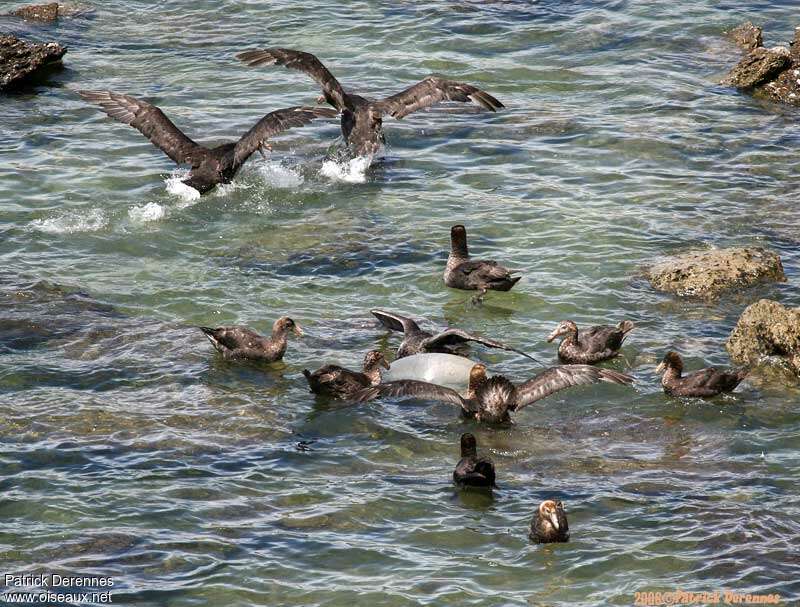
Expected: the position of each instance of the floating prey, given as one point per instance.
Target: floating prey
(704, 383)
(492, 399)
(417, 341)
(589, 345)
(549, 524)
(471, 470)
(338, 382)
(468, 274)
(236, 342)
(362, 118)
(210, 166)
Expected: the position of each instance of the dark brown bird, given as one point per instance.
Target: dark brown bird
(471, 470)
(210, 166)
(704, 383)
(468, 274)
(491, 399)
(549, 523)
(416, 341)
(338, 382)
(590, 345)
(236, 342)
(362, 118)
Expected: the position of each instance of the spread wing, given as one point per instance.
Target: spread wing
(433, 90)
(151, 122)
(452, 337)
(304, 62)
(274, 123)
(407, 387)
(557, 378)
(395, 322)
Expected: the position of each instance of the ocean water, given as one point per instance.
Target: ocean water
(130, 450)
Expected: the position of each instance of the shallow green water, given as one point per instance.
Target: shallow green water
(129, 449)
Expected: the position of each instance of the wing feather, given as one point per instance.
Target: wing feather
(151, 122)
(395, 322)
(304, 62)
(417, 389)
(452, 337)
(433, 90)
(558, 378)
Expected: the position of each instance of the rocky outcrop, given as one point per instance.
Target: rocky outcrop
(38, 12)
(766, 329)
(773, 73)
(707, 274)
(746, 35)
(20, 59)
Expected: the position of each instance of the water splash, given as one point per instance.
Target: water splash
(71, 222)
(152, 211)
(348, 171)
(176, 187)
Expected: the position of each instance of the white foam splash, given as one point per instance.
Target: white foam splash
(177, 188)
(278, 176)
(152, 211)
(349, 171)
(70, 222)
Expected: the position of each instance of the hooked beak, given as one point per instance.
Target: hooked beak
(297, 330)
(553, 335)
(384, 363)
(660, 368)
(554, 519)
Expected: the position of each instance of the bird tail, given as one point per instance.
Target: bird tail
(615, 377)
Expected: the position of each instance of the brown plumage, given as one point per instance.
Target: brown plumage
(549, 523)
(704, 383)
(472, 470)
(210, 166)
(338, 382)
(236, 342)
(362, 118)
(491, 399)
(462, 272)
(416, 341)
(589, 345)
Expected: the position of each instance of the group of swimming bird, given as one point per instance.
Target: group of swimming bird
(487, 399)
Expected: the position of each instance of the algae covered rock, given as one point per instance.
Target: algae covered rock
(708, 274)
(759, 66)
(746, 35)
(38, 12)
(20, 59)
(766, 328)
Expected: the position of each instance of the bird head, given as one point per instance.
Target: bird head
(565, 327)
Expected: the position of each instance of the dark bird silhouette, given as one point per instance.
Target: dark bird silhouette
(236, 342)
(549, 523)
(704, 383)
(416, 341)
(471, 470)
(491, 399)
(590, 345)
(341, 383)
(468, 274)
(362, 118)
(210, 166)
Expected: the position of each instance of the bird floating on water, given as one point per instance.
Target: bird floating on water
(210, 166)
(492, 399)
(590, 345)
(549, 523)
(704, 383)
(471, 470)
(236, 342)
(341, 383)
(362, 118)
(463, 272)
(417, 341)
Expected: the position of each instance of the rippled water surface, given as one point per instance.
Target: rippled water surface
(130, 449)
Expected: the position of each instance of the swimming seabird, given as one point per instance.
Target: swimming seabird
(592, 344)
(704, 383)
(342, 383)
(236, 342)
(463, 272)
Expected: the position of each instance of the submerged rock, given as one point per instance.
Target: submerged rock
(38, 12)
(20, 59)
(766, 328)
(707, 274)
(758, 66)
(746, 35)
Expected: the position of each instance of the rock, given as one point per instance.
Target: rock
(784, 89)
(746, 35)
(19, 59)
(38, 12)
(758, 66)
(766, 328)
(707, 274)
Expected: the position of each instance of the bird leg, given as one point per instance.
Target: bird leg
(320, 99)
(261, 147)
(478, 299)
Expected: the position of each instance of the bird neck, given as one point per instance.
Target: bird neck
(373, 373)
